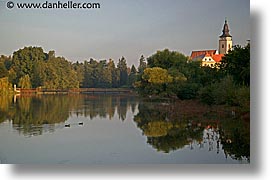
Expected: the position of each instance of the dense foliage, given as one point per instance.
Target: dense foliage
(233, 86)
(170, 73)
(186, 77)
(166, 73)
(31, 67)
(237, 64)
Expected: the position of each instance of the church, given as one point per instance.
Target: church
(212, 57)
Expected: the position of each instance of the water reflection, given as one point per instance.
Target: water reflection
(167, 125)
(33, 115)
(171, 126)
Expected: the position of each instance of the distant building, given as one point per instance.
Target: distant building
(225, 41)
(212, 57)
(211, 60)
(201, 53)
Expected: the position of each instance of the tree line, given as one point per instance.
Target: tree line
(165, 73)
(31, 67)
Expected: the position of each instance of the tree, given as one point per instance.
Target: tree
(43, 69)
(79, 69)
(113, 73)
(154, 81)
(167, 59)
(237, 64)
(25, 82)
(51, 55)
(156, 75)
(60, 74)
(175, 66)
(5, 86)
(105, 74)
(122, 67)
(142, 65)
(132, 76)
(3, 70)
(39, 75)
(23, 61)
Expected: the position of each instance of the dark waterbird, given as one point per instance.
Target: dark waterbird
(80, 123)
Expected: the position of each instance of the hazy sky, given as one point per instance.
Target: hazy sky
(126, 28)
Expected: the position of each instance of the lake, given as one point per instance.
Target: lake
(119, 129)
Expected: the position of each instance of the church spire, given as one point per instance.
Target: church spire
(225, 31)
(225, 40)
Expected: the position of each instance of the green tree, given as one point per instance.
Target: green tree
(3, 70)
(237, 64)
(142, 65)
(23, 61)
(227, 92)
(39, 76)
(6, 60)
(123, 74)
(79, 69)
(133, 76)
(113, 73)
(105, 74)
(44, 69)
(51, 55)
(60, 74)
(176, 67)
(167, 59)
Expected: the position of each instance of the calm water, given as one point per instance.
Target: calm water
(117, 129)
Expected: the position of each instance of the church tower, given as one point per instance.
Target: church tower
(225, 40)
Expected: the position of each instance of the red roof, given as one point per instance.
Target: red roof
(207, 55)
(203, 52)
(217, 57)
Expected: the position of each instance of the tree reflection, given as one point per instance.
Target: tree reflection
(105, 106)
(168, 125)
(236, 143)
(164, 131)
(5, 102)
(33, 115)
(214, 130)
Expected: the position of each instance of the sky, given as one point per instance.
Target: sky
(128, 28)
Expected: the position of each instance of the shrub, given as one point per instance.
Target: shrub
(225, 92)
(188, 91)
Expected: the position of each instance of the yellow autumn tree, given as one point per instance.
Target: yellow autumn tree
(157, 75)
(25, 82)
(5, 86)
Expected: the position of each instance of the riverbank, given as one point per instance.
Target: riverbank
(76, 91)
